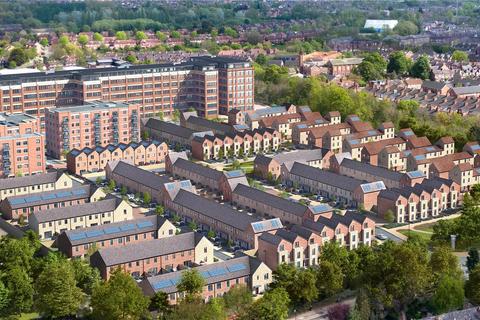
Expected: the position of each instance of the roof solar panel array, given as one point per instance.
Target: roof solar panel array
(108, 230)
(47, 197)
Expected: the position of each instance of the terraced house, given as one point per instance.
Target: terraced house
(78, 242)
(219, 278)
(95, 159)
(155, 256)
(50, 223)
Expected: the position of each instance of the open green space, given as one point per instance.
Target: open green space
(422, 235)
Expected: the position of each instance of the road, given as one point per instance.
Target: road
(387, 234)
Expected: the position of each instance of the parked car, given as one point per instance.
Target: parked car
(381, 237)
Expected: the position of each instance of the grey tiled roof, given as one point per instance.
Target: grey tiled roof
(270, 200)
(231, 270)
(147, 249)
(214, 210)
(198, 169)
(326, 177)
(376, 171)
(216, 126)
(81, 210)
(141, 176)
(171, 128)
(287, 235)
(17, 182)
(270, 238)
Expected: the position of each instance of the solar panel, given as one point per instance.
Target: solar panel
(257, 226)
(475, 147)
(354, 141)
(127, 227)
(33, 199)
(17, 201)
(162, 284)
(170, 186)
(217, 272)
(49, 196)
(275, 223)
(415, 174)
(234, 173)
(236, 267)
(79, 192)
(185, 183)
(77, 236)
(429, 149)
(372, 132)
(355, 118)
(94, 233)
(321, 208)
(111, 230)
(420, 157)
(205, 274)
(64, 194)
(144, 224)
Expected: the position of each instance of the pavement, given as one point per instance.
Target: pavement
(394, 236)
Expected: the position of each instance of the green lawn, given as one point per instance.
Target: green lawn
(247, 167)
(426, 227)
(421, 235)
(29, 316)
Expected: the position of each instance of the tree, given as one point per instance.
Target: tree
(161, 36)
(97, 37)
(254, 37)
(472, 286)
(18, 56)
(86, 277)
(211, 234)
(131, 58)
(329, 279)
(44, 42)
(421, 68)
(443, 262)
(147, 198)
(118, 298)
(123, 190)
(111, 184)
(406, 28)
(4, 298)
(410, 107)
(98, 181)
(459, 56)
(63, 41)
(121, 35)
(176, 115)
(305, 287)
(175, 34)
(57, 294)
(398, 63)
(140, 35)
(261, 59)
(82, 39)
(368, 71)
(238, 299)
(272, 306)
(159, 210)
(192, 225)
(159, 302)
(230, 32)
(191, 282)
(472, 259)
(448, 294)
(362, 305)
(338, 312)
(20, 289)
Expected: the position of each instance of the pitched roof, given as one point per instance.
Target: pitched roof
(143, 177)
(270, 200)
(235, 268)
(80, 210)
(37, 199)
(271, 238)
(380, 172)
(198, 169)
(168, 127)
(326, 177)
(147, 249)
(26, 181)
(212, 125)
(214, 210)
(113, 230)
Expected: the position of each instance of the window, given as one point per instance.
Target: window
(219, 285)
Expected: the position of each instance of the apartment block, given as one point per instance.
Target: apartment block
(219, 278)
(266, 167)
(25, 205)
(349, 191)
(208, 84)
(77, 243)
(50, 223)
(22, 146)
(229, 224)
(20, 186)
(96, 159)
(154, 256)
